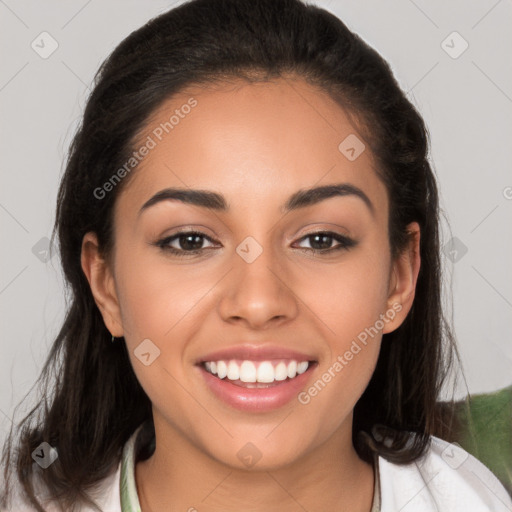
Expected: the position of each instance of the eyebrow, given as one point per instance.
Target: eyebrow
(300, 199)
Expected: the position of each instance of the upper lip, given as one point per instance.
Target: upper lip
(255, 353)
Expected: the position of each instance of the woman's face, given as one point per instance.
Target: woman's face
(256, 292)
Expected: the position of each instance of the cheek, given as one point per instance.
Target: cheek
(346, 298)
(330, 399)
(348, 302)
(349, 305)
(164, 303)
(155, 294)
(158, 303)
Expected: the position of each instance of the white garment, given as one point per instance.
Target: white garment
(446, 479)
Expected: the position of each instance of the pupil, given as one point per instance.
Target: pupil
(192, 245)
(326, 245)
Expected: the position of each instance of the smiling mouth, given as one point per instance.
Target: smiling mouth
(257, 374)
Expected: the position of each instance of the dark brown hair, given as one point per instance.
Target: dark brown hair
(91, 401)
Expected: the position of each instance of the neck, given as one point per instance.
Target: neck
(331, 476)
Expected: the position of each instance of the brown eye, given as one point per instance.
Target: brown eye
(186, 242)
(321, 242)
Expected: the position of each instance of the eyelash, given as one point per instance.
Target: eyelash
(345, 242)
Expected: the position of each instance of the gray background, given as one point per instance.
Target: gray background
(466, 102)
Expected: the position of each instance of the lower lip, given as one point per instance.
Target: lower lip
(257, 399)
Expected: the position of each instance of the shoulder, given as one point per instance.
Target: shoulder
(446, 478)
(105, 494)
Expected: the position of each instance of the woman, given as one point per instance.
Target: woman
(249, 226)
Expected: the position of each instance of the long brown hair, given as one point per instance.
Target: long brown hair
(91, 401)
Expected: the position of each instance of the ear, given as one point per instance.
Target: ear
(403, 280)
(101, 281)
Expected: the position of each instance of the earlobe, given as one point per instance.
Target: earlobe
(101, 282)
(403, 281)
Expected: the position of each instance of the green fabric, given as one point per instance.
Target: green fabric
(485, 431)
(128, 487)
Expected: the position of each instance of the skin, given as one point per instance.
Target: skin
(256, 144)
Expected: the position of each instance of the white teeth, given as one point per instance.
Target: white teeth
(249, 371)
(302, 367)
(265, 372)
(222, 369)
(233, 371)
(292, 369)
(281, 371)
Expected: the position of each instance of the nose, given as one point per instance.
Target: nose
(258, 293)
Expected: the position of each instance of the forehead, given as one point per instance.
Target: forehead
(252, 142)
